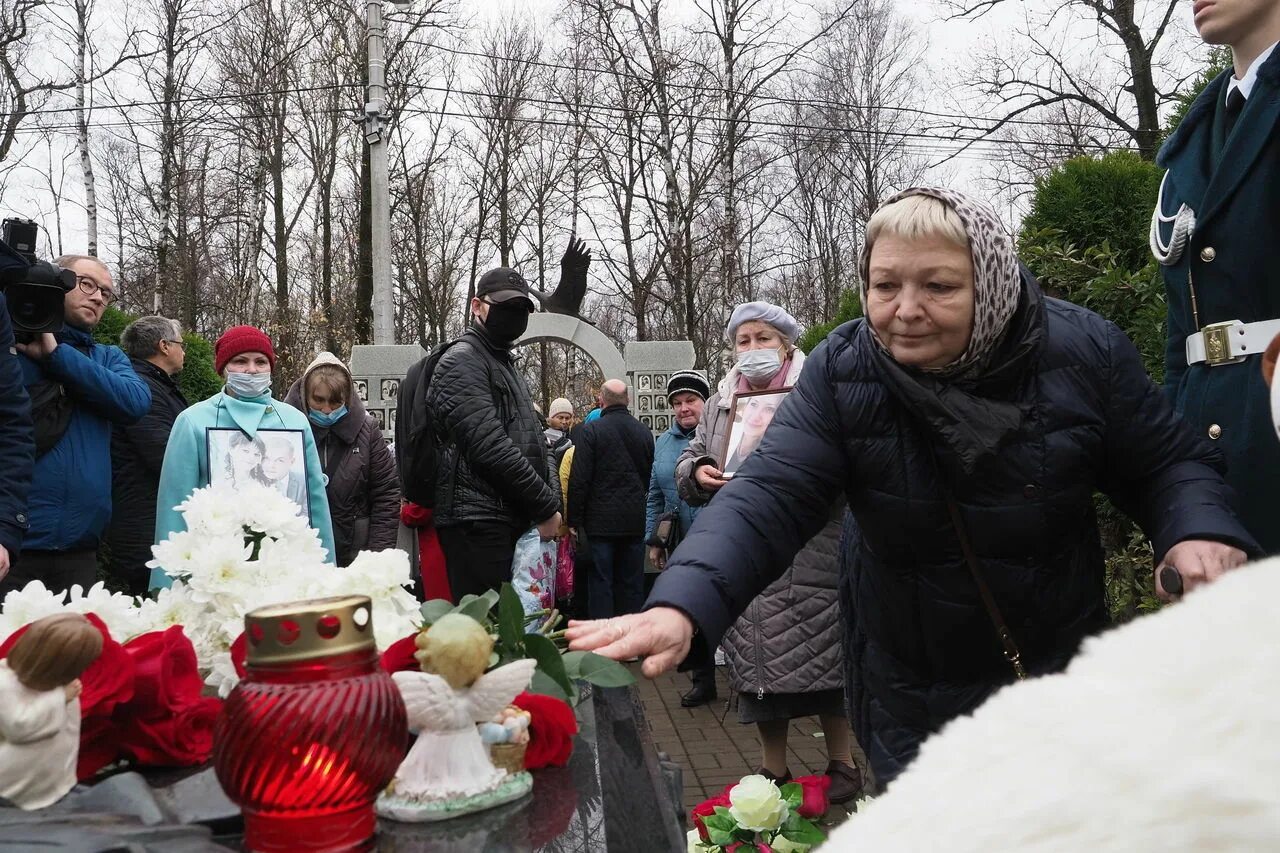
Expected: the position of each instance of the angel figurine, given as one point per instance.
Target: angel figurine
(448, 771)
(40, 708)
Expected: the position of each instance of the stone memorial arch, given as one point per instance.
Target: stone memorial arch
(645, 365)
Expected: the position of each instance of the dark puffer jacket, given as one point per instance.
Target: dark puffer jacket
(923, 649)
(493, 463)
(363, 489)
(609, 482)
(788, 638)
(137, 454)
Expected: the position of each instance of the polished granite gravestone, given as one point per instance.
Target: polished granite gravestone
(614, 796)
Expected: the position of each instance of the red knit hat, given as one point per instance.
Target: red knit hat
(240, 339)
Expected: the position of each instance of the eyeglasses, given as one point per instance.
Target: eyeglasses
(182, 344)
(89, 286)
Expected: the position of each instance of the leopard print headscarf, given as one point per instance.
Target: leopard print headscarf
(997, 283)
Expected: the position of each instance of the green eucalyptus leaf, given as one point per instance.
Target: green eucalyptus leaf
(476, 608)
(720, 821)
(547, 655)
(598, 670)
(545, 685)
(434, 609)
(510, 620)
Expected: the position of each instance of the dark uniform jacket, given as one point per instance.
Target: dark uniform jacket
(922, 646)
(1233, 186)
(493, 463)
(137, 455)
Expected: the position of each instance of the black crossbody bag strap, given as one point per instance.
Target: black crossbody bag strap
(1011, 651)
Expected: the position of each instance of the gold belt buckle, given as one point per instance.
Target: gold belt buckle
(1217, 343)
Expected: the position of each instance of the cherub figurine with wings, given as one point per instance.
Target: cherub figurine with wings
(448, 771)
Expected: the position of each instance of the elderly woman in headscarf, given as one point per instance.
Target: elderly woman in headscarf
(969, 420)
(784, 650)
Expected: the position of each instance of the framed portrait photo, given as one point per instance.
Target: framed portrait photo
(390, 390)
(273, 457)
(753, 411)
(362, 389)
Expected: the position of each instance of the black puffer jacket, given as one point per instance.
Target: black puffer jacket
(363, 489)
(137, 453)
(609, 481)
(921, 649)
(493, 463)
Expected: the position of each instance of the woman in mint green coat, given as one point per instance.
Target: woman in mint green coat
(208, 442)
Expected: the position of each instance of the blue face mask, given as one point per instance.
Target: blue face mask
(249, 385)
(327, 419)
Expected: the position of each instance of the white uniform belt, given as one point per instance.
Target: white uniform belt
(1230, 342)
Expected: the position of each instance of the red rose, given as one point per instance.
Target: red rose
(106, 683)
(181, 738)
(168, 677)
(239, 649)
(99, 746)
(551, 730)
(706, 809)
(399, 655)
(815, 788)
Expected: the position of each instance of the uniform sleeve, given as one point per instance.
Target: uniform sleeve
(749, 535)
(17, 444)
(112, 388)
(1156, 470)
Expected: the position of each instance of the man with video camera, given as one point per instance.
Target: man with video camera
(78, 389)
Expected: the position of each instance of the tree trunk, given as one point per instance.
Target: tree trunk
(82, 9)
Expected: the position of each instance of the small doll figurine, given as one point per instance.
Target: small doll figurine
(40, 708)
(448, 771)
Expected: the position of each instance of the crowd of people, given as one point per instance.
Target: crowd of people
(880, 534)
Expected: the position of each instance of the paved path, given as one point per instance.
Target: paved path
(711, 745)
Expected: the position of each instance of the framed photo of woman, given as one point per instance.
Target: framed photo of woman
(752, 413)
(273, 457)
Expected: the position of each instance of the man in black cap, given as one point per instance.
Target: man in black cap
(492, 482)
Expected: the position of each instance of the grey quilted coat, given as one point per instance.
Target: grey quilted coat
(788, 640)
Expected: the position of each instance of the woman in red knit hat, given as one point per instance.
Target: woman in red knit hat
(242, 429)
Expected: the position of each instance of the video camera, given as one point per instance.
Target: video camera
(34, 289)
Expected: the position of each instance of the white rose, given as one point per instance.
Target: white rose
(757, 804)
(782, 845)
(695, 842)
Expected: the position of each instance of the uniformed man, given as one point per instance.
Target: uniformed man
(1216, 231)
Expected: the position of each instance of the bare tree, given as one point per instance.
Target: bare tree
(1114, 57)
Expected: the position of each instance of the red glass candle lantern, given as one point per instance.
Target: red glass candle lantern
(313, 732)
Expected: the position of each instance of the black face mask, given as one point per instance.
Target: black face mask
(507, 320)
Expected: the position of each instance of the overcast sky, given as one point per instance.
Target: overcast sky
(952, 44)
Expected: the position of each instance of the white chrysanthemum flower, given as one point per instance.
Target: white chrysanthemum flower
(34, 601)
(216, 510)
(222, 674)
(172, 606)
(118, 611)
(174, 555)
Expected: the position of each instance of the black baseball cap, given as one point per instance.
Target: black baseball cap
(502, 285)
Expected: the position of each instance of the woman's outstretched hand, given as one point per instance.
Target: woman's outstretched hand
(661, 636)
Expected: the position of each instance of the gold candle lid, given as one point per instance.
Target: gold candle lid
(305, 630)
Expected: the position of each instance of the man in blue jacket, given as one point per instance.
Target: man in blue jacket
(687, 393)
(78, 388)
(17, 449)
(1214, 231)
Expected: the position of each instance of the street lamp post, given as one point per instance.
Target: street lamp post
(375, 133)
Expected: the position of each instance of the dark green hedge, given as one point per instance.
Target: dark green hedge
(197, 380)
